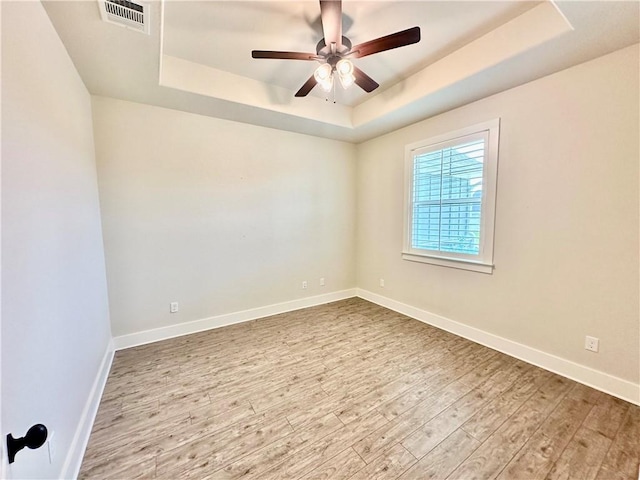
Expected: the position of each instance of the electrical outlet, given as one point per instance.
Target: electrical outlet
(304, 285)
(591, 343)
(382, 282)
(173, 307)
(51, 446)
(322, 282)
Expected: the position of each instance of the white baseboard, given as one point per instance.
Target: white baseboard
(604, 382)
(73, 461)
(610, 384)
(177, 330)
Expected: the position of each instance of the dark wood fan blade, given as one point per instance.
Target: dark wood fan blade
(283, 55)
(307, 87)
(331, 14)
(395, 40)
(364, 81)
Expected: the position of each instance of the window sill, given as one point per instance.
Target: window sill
(450, 262)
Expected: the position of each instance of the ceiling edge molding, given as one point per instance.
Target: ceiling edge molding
(203, 80)
(525, 32)
(535, 27)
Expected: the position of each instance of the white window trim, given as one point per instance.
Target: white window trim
(484, 261)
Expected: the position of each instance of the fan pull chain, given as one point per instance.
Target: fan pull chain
(332, 92)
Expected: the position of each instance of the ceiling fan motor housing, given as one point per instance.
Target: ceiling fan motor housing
(324, 50)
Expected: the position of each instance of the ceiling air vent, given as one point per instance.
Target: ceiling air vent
(133, 15)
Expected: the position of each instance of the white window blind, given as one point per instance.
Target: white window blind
(447, 198)
(450, 199)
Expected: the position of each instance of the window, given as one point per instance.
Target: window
(450, 198)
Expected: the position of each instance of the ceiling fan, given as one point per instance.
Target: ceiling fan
(334, 52)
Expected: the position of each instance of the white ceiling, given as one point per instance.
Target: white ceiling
(230, 30)
(198, 56)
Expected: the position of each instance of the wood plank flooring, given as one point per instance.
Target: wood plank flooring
(350, 390)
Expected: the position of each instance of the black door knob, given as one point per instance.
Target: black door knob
(35, 438)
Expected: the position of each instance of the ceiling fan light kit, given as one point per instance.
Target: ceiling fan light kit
(324, 76)
(344, 67)
(334, 52)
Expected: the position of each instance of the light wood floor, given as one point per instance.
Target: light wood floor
(350, 390)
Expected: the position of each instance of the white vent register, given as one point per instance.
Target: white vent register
(132, 15)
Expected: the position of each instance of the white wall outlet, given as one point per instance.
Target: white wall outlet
(382, 282)
(173, 307)
(304, 285)
(322, 281)
(592, 343)
(51, 446)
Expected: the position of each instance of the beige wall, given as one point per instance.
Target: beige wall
(55, 317)
(566, 244)
(216, 215)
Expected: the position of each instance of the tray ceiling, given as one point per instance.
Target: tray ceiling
(197, 57)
